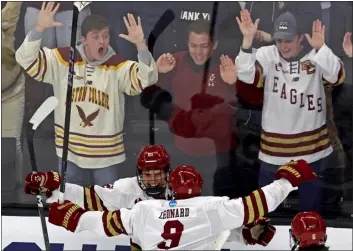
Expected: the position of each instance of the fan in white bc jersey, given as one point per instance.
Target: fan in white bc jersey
(190, 221)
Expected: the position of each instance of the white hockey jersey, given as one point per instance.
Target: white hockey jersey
(192, 224)
(294, 106)
(124, 193)
(97, 113)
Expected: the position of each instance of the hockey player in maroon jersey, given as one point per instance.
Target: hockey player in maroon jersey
(291, 80)
(308, 232)
(189, 221)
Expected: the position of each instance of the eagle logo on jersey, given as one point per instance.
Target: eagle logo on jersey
(308, 66)
(86, 121)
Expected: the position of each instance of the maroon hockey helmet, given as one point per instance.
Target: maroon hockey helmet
(151, 158)
(308, 229)
(186, 182)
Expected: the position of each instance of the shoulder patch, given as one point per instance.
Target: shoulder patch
(114, 60)
(63, 54)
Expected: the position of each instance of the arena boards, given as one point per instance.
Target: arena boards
(25, 233)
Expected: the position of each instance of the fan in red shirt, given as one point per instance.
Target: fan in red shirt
(193, 94)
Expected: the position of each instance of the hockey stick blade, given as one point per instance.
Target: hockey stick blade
(162, 23)
(81, 5)
(222, 238)
(43, 111)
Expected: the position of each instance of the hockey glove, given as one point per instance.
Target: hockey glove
(48, 181)
(296, 172)
(153, 97)
(259, 232)
(65, 215)
(181, 124)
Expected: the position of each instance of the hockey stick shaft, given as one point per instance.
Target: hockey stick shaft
(157, 30)
(68, 101)
(41, 196)
(43, 111)
(212, 32)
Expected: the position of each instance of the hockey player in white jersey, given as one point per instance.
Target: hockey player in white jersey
(190, 221)
(291, 78)
(151, 182)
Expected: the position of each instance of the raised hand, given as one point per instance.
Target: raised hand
(347, 44)
(165, 63)
(227, 70)
(49, 181)
(135, 32)
(317, 39)
(296, 172)
(46, 16)
(246, 25)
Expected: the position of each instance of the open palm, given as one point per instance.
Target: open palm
(246, 25)
(317, 39)
(165, 63)
(135, 32)
(46, 16)
(347, 44)
(227, 70)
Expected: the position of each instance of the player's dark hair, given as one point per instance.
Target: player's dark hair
(201, 26)
(315, 248)
(93, 22)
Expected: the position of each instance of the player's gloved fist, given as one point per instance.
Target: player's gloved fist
(296, 172)
(65, 215)
(259, 232)
(48, 181)
(153, 97)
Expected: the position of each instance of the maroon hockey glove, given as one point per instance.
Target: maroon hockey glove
(65, 215)
(296, 172)
(181, 124)
(49, 181)
(259, 232)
